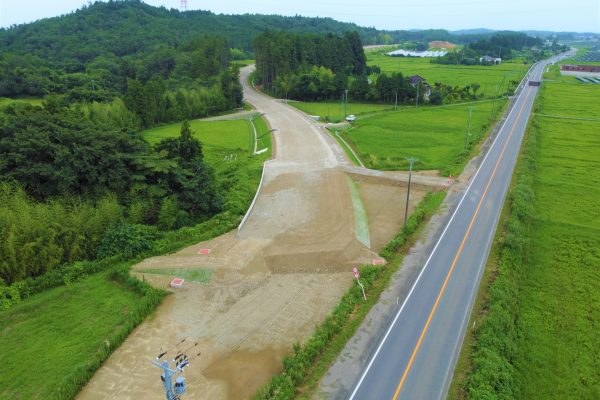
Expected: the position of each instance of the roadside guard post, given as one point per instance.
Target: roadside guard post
(357, 275)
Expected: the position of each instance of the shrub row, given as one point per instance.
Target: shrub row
(494, 347)
(298, 366)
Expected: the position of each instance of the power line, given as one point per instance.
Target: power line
(173, 369)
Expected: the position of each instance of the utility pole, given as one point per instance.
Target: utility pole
(346, 107)
(468, 128)
(417, 99)
(181, 360)
(411, 160)
(396, 103)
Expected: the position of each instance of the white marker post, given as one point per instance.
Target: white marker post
(357, 275)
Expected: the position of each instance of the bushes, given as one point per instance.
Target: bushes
(126, 241)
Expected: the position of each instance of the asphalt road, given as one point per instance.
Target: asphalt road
(415, 359)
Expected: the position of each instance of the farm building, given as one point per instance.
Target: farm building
(490, 60)
(416, 79)
(580, 68)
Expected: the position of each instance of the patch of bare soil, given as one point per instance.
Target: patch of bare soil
(385, 205)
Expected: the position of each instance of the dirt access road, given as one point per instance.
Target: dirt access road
(273, 280)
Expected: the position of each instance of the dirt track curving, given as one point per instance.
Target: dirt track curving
(273, 281)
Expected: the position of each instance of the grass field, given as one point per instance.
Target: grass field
(216, 136)
(434, 135)
(50, 337)
(222, 141)
(538, 336)
(333, 111)
(489, 77)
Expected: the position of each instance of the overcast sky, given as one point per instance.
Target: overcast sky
(556, 15)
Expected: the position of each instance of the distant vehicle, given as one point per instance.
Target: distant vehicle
(534, 83)
(350, 117)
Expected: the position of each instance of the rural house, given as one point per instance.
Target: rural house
(416, 79)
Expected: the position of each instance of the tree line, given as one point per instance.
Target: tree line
(326, 67)
(500, 45)
(280, 54)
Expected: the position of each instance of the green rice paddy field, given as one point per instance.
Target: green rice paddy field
(559, 299)
(494, 79)
(434, 135)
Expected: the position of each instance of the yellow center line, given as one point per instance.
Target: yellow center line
(437, 301)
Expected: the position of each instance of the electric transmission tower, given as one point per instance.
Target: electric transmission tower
(184, 4)
(174, 369)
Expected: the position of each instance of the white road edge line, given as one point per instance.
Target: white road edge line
(519, 99)
(463, 327)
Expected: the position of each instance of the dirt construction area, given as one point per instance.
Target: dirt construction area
(274, 279)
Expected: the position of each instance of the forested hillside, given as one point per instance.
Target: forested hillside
(90, 54)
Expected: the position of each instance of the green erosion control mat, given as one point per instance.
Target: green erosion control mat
(361, 221)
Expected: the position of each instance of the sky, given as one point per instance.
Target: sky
(554, 15)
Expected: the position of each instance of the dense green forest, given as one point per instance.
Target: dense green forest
(90, 54)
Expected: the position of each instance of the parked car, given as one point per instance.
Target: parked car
(350, 117)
